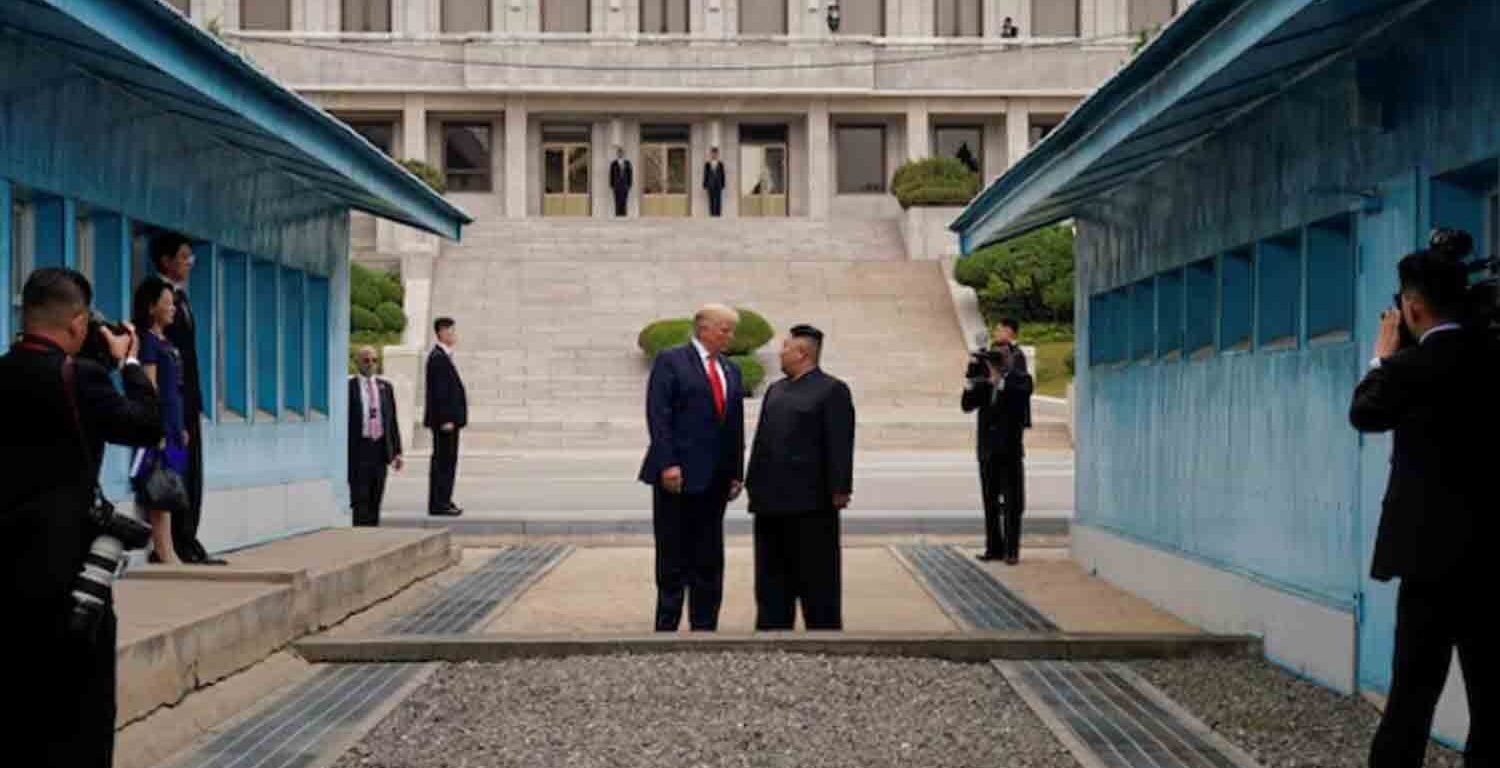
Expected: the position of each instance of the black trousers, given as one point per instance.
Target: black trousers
(1432, 620)
(689, 533)
(797, 558)
(1002, 483)
(715, 202)
(622, 200)
(367, 485)
(185, 526)
(68, 721)
(444, 470)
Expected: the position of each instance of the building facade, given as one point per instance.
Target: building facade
(1243, 192)
(522, 104)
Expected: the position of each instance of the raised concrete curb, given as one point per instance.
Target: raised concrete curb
(974, 647)
(225, 620)
(478, 524)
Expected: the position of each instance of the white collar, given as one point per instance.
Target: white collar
(175, 285)
(447, 350)
(702, 351)
(1438, 328)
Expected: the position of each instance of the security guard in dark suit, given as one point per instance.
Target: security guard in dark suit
(999, 388)
(1438, 520)
(57, 412)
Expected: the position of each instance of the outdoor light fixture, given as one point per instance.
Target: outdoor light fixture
(833, 15)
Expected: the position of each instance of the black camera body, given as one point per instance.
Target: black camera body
(982, 360)
(1481, 310)
(94, 347)
(114, 535)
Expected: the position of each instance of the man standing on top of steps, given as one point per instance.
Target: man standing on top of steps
(447, 413)
(621, 177)
(713, 182)
(695, 414)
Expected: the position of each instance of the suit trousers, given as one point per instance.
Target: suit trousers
(715, 202)
(1002, 482)
(622, 201)
(67, 721)
(689, 533)
(797, 559)
(367, 488)
(185, 526)
(1432, 620)
(444, 470)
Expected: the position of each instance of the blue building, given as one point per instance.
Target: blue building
(117, 116)
(1242, 191)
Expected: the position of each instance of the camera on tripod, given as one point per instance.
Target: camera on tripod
(114, 535)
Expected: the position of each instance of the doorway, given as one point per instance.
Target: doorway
(566, 160)
(763, 171)
(664, 170)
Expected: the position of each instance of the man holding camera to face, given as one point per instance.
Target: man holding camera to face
(1437, 523)
(63, 541)
(999, 388)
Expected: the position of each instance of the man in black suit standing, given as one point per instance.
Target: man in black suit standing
(695, 413)
(447, 413)
(999, 388)
(621, 177)
(713, 182)
(172, 255)
(1438, 521)
(801, 476)
(59, 411)
(374, 438)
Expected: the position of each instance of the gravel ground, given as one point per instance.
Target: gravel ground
(1281, 720)
(688, 711)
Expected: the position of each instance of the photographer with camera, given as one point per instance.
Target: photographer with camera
(63, 540)
(999, 388)
(1438, 517)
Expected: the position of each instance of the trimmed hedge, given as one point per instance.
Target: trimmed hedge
(664, 334)
(934, 181)
(391, 317)
(365, 296)
(752, 373)
(392, 291)
(427, 173)
(751, 334)
(361, 319)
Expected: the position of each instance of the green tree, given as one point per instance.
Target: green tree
(1029, 277)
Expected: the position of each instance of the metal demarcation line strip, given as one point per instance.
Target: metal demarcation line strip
(969, 593)
(297, 729)
(1109, 717)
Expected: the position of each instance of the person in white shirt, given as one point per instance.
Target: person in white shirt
(374, 437)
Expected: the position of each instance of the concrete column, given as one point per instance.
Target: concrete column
(1088, 18)
(994, 146)
(616, 137)
(716, 137)
(918, 140)
(515, 158)
(1017, 131)
(819, 145)
(414, 127)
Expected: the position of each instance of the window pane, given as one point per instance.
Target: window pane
(201, 301)
(762, 17)
(1054, 18)
(1279, 299)
(22, 255)
(269, 15)
(293, 307)
(664, 17)
(1143, 320)
(183, 7)
(959, 18)
(966, 144)
(367, 15)
(552, 170)
(1330, 280)
(1040, 127)
(1202, 307)
(1150, 14)
(466, 156)
(861, 159)
(466, 15)
(1237, 302)
(235, 334)
(578, 170)
(862, 17)
(565, 15)
(265, 327)
(775, 166)
(382, 134)
(1169, 313)
(318, 334)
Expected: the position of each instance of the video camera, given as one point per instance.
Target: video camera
(94, 347)
(981, 360)
(1481, 310)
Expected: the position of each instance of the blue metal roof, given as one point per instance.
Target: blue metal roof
(147, 50)
(1216, 62)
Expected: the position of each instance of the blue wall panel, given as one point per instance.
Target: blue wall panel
(265, 335)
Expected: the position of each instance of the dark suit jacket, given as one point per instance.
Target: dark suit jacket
(1002, 419)
(804, 446)
(1439, 509)
(391, 426)
(713, 176)
(49, 475)
(685, 431)
(446, 400)
(181, 334)
(621, 175)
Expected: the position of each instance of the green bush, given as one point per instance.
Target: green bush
(974, 270)
(664, 334)
(391, 290)
(934, 181)
(752, 373)
(391, 316)
(1028, 277)
(362, 319)
(427, 173)
(1069, 361)
(752, 333)
(365, 296)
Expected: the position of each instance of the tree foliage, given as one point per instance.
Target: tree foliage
(1029, 277)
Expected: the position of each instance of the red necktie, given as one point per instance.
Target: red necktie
(376, 432)
(718, 386)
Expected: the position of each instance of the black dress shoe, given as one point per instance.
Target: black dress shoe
(449, 512)
(987, 557)
(210, 560)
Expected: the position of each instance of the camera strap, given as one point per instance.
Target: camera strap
(70, 387)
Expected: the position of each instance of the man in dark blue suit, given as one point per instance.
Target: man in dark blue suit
(695, 412)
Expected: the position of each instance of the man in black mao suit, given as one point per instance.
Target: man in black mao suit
(374, 438)
(68, 721)
(713, 182)
(801, 476)
(1438, 520)
(621, 177)
(999, 388)
(172, 255)
(695, 413)
(447, 413)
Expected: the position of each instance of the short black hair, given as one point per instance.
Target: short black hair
(146, 295)
(442, 323)
(164, 246)
(1013, 324)
(1438, 278)
(812, 335)
(52, 296)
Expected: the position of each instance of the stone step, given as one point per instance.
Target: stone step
(682, 239)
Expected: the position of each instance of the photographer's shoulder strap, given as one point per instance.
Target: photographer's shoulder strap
(70, 389)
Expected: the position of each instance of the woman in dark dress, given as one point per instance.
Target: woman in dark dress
(152, 311)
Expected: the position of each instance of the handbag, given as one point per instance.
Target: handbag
(159, 487)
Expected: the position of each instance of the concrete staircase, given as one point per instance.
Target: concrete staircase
(548, 312)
